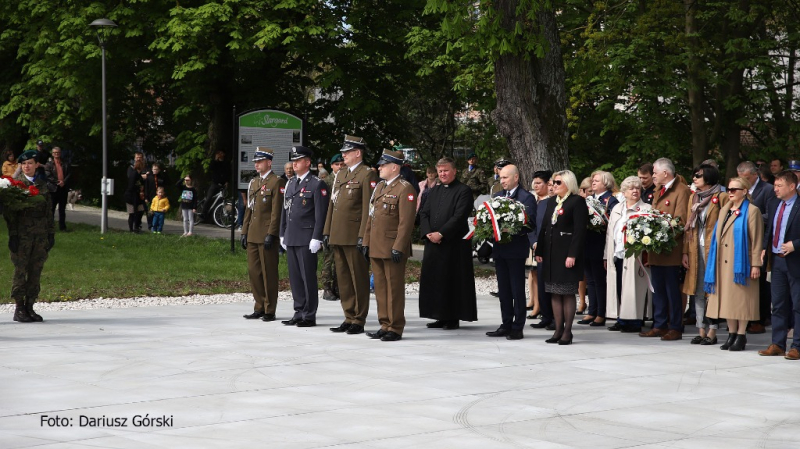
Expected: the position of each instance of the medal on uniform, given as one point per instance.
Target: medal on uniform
(304, 202)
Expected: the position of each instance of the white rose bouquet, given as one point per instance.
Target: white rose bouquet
(597, 215)
(654, 232)
(499, 219)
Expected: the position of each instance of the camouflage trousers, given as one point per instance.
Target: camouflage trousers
(28, 264)
(328, 277)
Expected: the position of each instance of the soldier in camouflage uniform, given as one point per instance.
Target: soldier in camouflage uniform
(494, 181)
(473, 176)
(328, 277)
(31, 235)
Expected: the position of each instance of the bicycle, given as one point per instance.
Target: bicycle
(223, 210)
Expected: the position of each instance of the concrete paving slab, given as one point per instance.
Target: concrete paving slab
(227, 382)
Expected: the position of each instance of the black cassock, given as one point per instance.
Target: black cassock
(447, 281)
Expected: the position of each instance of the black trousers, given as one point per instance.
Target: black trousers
(59, 199)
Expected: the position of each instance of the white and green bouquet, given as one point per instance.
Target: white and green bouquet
(499, 219)
(653, 231)
(597, 215)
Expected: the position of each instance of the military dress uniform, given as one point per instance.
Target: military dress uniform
(30, 237)
(262, 221)
(328, 276)
(388, 236)
(304, 208)
(475, 179)
(346, 225)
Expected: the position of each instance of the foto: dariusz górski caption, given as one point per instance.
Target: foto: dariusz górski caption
(107, 421)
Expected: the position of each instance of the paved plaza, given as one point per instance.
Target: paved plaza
(96, 378)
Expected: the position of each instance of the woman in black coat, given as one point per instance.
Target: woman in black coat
(560, 249)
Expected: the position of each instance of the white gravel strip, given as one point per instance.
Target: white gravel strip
(482, 285)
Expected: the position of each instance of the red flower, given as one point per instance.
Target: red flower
(33, 190)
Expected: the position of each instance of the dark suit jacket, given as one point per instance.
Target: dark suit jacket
(792, 233)
(541, 207)
(305, 218)
(564, 239)
(762, 195)
(520, 244)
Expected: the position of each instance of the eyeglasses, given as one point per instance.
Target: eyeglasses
(697, 175)
(734, 189)
(558, 183)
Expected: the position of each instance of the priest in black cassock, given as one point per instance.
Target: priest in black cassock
(447, 281)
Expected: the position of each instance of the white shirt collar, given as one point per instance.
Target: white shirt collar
(301, 178)
(669, 184)
(354, 167)
(392, 180)
(264, 176)
(753, 187)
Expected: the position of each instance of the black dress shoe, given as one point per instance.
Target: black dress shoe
(291, 322)
(268, 317)
(377, 335)
(631, 329)
(495, 294)
(355, 329)
(254, 316)
(586, 321)
(514, 335)
(391, 336)
(438, 324)
(539, 325)
(341, 328)
(451, 325)
(500, 332)
(615, 327)
(306, 323)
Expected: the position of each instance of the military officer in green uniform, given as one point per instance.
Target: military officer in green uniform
(388, 241)
(31, 235)
(328, 277)
(473, 177)
(494, 181)
(260, 230)
(344, 231)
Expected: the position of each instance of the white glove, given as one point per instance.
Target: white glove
(283, 244)
(315, 245)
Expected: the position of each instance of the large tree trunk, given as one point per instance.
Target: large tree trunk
(531, 98)
(695, 88)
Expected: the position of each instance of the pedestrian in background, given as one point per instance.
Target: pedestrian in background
(188, 200)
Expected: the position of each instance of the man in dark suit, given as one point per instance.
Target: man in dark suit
(510, 258)
(545, 305)
(762, 193)
(780, 247)
(304, 208)
(645, 174)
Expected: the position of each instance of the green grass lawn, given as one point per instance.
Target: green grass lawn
(86, 264)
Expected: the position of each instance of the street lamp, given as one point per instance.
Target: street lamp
(100, 24)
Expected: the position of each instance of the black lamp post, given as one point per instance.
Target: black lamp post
(100, 24)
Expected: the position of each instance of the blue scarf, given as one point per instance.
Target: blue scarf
(741, 248)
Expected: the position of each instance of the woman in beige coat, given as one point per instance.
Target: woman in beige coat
(704, 206)
(626, 277)
(735, 256)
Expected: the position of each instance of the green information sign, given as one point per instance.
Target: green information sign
(276, 130)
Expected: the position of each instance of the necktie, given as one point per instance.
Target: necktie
(661, 192)
(776, 240)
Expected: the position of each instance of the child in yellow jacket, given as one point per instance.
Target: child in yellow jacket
(159, 207)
